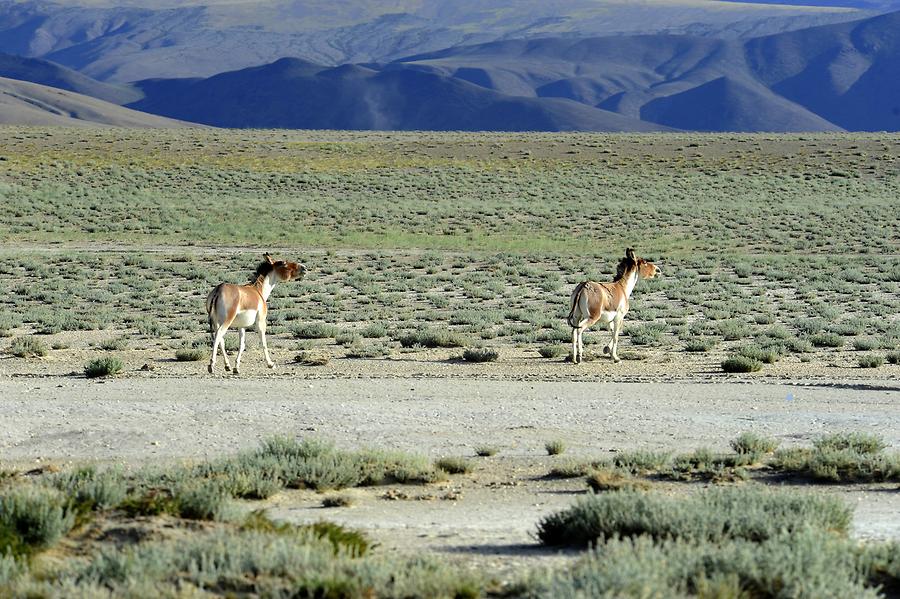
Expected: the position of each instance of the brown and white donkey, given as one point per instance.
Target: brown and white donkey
(606, 303)
(243, 306)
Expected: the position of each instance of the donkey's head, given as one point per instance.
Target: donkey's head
(645, 268)
(285, 271)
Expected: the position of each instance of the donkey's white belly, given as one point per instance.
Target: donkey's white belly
(607, 317)
(244, 319)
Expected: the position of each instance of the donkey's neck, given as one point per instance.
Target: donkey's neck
(265, 285)
(629, 281)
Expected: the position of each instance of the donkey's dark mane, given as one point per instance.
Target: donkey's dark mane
(262, 271)
(625, 264)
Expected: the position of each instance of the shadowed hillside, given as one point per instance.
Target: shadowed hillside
(848, 73)
(53, 75)
(23, 103)
(296, 94)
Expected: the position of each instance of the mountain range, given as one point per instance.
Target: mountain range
(841, 76)
(125, 40)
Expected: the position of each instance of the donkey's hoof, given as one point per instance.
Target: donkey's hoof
(235, 372)
(227, 368)
(271, 365)
(616, 360)
(210, 368)
(605, 349)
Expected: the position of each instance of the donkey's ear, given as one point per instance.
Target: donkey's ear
(629, 253)
(269, 258)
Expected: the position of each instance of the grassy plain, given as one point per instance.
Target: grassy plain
(773, 248)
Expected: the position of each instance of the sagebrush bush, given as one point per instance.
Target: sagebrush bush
(107, 366)
(741, 364)
(552, 351)
(753, 443)
(114, 344)
(433, 338)
(28, 347)
(454, 465)
(856, 441)
(747, 512)
(190, 355)
(555, 447)
(480, 354)
(90, 488)
(32, 517)
(870, 361)
(314, 330)
(642, 461)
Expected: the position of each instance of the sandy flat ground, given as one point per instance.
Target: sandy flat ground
(487, 517)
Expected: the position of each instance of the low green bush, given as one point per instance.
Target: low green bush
(433, 338)
(870, 361)
(480, 354)
(32, 517)
(106, 366)
(741, 364)
(314, 330)
(454, 465)
(28, 347)
(747, 512)
(190, 355)
(753, 443)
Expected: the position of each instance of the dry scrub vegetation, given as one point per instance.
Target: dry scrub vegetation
(197, 528)
(772, 247)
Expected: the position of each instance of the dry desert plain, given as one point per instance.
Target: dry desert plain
(778, 251)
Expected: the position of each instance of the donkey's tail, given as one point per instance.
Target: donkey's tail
(576, 299)
(211, 301)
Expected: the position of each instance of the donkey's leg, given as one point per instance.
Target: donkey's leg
(581, 331)
(619, 322)
(218, 339)
(237, 361)
(574, 345)
(608, 348)
(262, 337)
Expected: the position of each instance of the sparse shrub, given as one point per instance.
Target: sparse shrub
(754, 352)
(870, 361)
(746, 512)
(373, 350)
(314, 330)
(553, 351)
(700, 344)
(114, 344)
(555, 447)
(753, 443)
(32, 518)
(485, 451)
(647, 334)
(827, 340)
(614, 479)
(453, 465)
(190, 355)
(855, 441)
(28, 347)
(106, 366)
(798, 346)
(480, 354)
(374, 330)
(865, 344)
(90, 488)
(569, 469)
(433, 338)
(642, 461)
(893, 358)
(202, 500)
(346, 338)
(741, 364)
(733, 330)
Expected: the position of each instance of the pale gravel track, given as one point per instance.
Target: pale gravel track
(132, 420)
(492, 522)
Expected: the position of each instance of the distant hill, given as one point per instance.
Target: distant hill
(292, 93)
(54, 75)
(23, 103)
(129, 40)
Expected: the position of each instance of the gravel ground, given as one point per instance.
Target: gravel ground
(484, 519)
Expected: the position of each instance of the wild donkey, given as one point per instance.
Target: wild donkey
(607, 303)
(243, 306)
